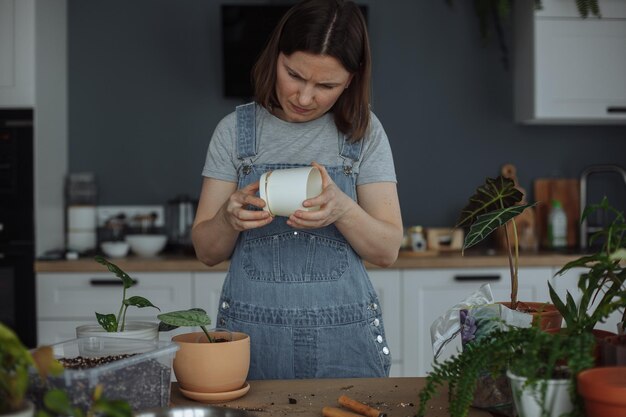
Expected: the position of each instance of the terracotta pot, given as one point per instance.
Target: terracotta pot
(547, 314)
(604, 391)
(204, 367)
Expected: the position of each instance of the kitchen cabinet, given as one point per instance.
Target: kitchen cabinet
(569, 282)
(17, 53)
(429, 293)
(66, 300)
(568, 69)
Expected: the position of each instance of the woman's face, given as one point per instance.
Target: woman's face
(308, 85)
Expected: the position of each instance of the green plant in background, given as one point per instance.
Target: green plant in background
(494, 12)
(602, 286)
(15, 362)
(57, 403)
(526, 352)
(110, 322)
(494, 204)
(185, 318)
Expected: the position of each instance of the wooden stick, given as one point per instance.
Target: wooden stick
(359, 407)
(338, 412)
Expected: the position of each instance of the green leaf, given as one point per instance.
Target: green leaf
(127, 281)
(191, 317)
(112, 408)
(139, 302)
(58, 402)
(107, 321)
(495, 194)
(485, 224)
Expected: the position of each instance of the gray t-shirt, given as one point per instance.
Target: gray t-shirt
(279, 141)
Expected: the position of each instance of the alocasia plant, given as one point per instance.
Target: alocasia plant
(493, 205)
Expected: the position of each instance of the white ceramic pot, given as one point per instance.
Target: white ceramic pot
(136, 330)
(28, 410)
(528, 400)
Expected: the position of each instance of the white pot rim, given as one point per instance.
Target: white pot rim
(522, 379)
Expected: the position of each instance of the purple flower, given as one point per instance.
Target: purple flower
(468, 326)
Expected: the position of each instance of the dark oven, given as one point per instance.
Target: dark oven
(17, 252)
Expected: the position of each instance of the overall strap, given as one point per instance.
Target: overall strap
(246, 135)
(350, 153)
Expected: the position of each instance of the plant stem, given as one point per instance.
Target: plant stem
(125, 307)
(514, 284)
(207, 334)
(512, 266)
(119, 314)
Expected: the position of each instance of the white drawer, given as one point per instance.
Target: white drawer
(77, 296)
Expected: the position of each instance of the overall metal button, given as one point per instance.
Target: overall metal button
(225, 305)
(376, 322)
(379, 339)
(222, 322)
(386, 350)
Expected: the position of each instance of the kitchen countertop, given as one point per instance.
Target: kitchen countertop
(397, 397)
(406, 260)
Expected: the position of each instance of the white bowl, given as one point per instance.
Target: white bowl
(114, 249)
(146, 245)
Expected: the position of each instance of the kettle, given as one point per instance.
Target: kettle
(179, 218)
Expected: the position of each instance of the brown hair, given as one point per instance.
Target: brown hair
(323, 27)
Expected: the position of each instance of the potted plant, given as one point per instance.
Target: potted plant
(534, 360)
(16, 364)
(116, 326)
(210, 366)
(495, 204)
(602, 286)
(605, 277)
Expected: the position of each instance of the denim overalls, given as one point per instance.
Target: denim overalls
(303, 296)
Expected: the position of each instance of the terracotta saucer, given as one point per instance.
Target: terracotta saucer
(216, 397)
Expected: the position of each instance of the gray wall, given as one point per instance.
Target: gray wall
(145, 95)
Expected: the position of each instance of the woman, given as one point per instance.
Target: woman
(297, 285)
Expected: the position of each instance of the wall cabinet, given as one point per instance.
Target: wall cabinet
(17, 53)
(570, 70)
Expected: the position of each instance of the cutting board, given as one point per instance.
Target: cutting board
(567, 191)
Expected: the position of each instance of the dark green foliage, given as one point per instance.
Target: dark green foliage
(191, 317)
(57, 403)
(602, 286)
(527, 352)
(492, 205)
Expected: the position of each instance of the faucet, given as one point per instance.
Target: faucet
(584, 229)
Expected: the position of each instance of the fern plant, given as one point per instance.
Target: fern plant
(493, 205)
(526, 352)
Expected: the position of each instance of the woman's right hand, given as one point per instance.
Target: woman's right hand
(238, 216)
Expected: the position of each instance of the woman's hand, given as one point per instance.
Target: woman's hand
(333, 202)
(238, 216)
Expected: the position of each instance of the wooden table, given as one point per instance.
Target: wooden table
(397, 397)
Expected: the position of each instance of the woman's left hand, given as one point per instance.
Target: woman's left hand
(333, 203)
